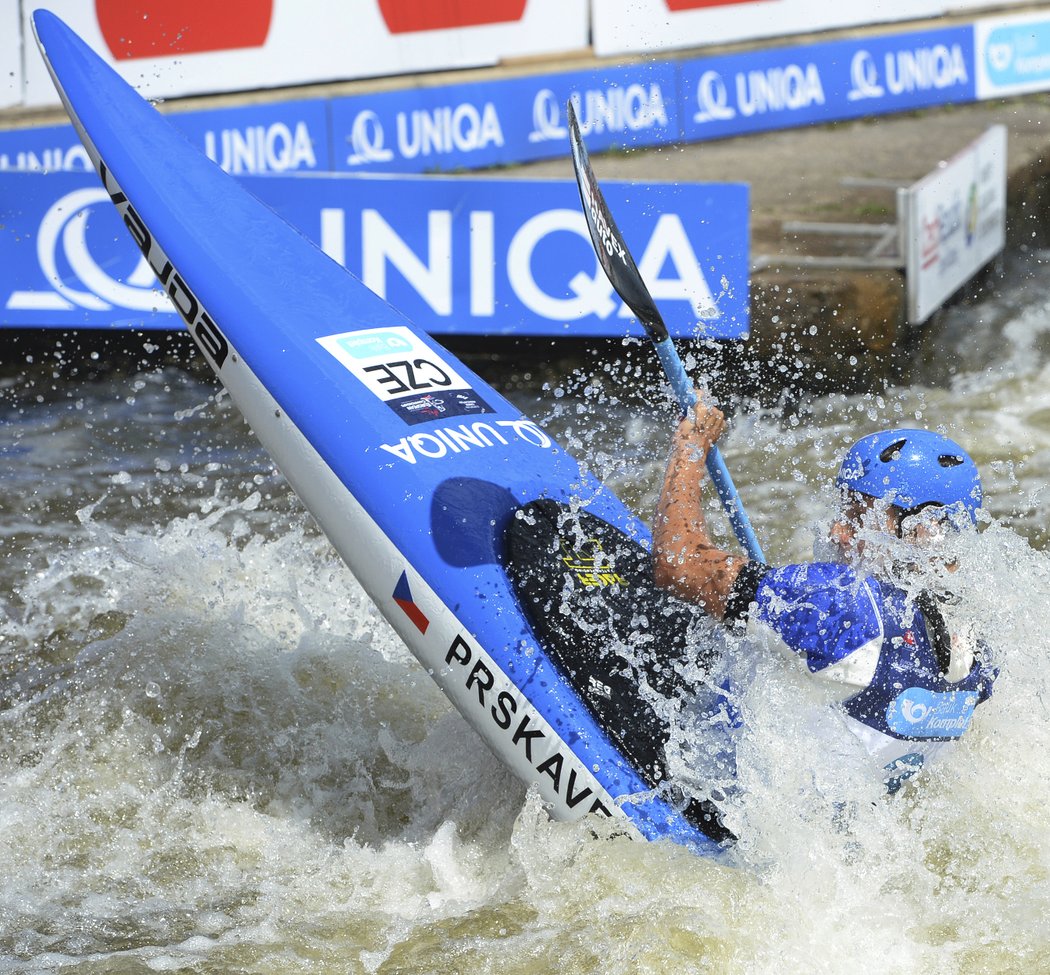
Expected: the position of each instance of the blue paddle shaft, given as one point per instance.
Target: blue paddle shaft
(716, 466)
(625, 278)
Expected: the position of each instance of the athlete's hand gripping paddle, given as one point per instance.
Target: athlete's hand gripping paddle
(624, 276)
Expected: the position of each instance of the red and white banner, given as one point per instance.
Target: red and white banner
(195, 47)
(191, 47)
(622, 26)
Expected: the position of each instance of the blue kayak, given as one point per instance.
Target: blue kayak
(520, 582)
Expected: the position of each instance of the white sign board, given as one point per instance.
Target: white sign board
(620, 26)
(170, 49)
(954, 222)
(10, 55)
(962, 6)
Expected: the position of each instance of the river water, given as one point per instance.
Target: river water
(215, 756)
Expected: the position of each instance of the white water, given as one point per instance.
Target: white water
(216, 757)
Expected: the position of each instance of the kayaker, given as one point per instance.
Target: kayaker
(910, 680)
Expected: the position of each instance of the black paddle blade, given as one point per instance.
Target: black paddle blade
(609, 245)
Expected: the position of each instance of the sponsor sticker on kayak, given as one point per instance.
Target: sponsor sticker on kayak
(405, 373)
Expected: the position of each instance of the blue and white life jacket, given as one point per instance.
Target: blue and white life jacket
(908, 687)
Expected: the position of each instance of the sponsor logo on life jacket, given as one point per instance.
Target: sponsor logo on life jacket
(920, 713)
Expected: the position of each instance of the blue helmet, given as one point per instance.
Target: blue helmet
(912, 468)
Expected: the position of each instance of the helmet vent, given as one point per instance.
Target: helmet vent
(950, 460)
(893, 451)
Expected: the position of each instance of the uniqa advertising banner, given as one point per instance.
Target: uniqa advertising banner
(448, 128)
(498, 122)
(457, 256)
(194, 47)
(277, 137)
(783, 87)
(955, 222)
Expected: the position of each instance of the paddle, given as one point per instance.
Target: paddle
(624, 276)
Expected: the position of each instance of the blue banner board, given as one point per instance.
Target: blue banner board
(458, 256)
(500, 122)
(472, 125)
(781, 88)
(276, 137)
(43, 148)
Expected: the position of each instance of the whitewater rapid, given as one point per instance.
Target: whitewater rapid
(215, 755)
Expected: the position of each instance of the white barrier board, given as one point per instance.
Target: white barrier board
(620, 26)
(954, 222)
(10, 55)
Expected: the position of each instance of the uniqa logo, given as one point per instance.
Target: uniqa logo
(66, 159)
(713, 98)
(366, 139)
(668, 262)
(864, 77)
(262, 148)
(788, 87)
(546, 117)
(63, 235)
(629, 108)
(456, 440)
(426, 132)
(914, 711)
(907, 71)
(782, 88)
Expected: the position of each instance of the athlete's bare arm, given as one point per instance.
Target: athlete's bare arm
(686, 561)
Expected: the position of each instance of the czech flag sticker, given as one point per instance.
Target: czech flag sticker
(403, 597)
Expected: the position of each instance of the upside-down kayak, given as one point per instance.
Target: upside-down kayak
(515, 578)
